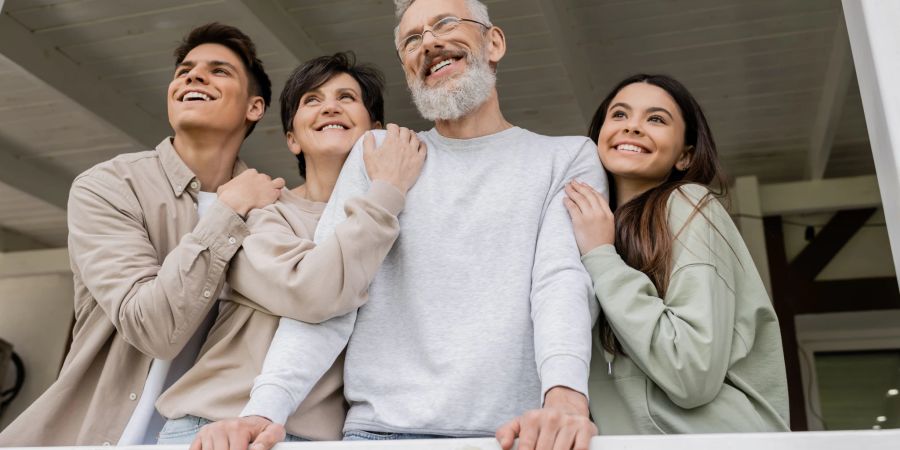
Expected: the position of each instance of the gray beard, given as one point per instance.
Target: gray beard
(456, 97)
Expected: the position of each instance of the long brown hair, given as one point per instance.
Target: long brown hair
(643, 239)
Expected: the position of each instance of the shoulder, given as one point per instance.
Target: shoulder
(120, 167)
(569, 144)
(111, 179)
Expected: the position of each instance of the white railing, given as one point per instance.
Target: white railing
(822, 440)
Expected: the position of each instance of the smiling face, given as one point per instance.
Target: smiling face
(330, 119)
(642, 137)
(210, 91)
(452, 74)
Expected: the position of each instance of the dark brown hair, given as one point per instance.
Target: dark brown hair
(239, 43)
(316, 72)
(643, 238)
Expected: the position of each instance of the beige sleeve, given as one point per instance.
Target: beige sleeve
(156, 307)
(288, 275)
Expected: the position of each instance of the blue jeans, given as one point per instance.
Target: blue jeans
(184, 429)
(379, 436)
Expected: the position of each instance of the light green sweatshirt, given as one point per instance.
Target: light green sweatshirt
(706, 358)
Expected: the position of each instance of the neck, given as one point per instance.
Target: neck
(627, 189)
(210, 155)
(485, 120)
(321, 176)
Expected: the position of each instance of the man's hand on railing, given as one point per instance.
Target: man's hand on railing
(255, 432)
(562, 424)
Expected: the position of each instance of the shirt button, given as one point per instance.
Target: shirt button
(132, 396)
(206, 293)
(194, 185)
(232, 240)
(106, 444)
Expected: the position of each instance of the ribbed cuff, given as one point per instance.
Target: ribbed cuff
(564, 370)
(387, 195)
(271, 402)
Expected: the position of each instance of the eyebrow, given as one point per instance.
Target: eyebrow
(652, 109)
(318, 91)
(213, 63)
(431, 21)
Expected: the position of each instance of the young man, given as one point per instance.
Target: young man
(479, 320)
(150, 237)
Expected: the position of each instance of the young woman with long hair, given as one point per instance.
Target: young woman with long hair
(687, 341)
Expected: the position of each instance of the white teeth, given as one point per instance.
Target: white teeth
(334, 126)
(195, 96)
(629, 148)
(441, 65)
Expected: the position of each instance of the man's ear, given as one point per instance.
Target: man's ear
(684, 161)
(496, 45)
(293, 144)
(256, 107)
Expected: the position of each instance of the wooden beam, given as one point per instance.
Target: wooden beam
(271, 16)
(783, 301)
(831, 102)
(32, 177)
(573, 55)
(830, 240)
(13, 241)
(35, 262)
(42, 59)
(833, 194)
(875, 42)
(861, 294)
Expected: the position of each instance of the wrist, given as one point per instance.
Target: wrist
(566, 400)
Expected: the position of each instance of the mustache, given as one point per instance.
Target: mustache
(444, 54)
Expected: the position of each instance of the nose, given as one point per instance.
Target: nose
(196, 74)
(430, 42)
(633, 127)
(331, 107)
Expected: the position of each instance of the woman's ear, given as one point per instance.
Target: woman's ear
(684, 161)
(376, 125)
(292, 143)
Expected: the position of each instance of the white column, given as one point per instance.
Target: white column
(875, 42)
(749, 220)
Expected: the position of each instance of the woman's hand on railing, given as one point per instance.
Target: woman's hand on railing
(255, 432)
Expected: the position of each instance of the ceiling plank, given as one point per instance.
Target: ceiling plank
(32, 177)
(43, 60)
(831, 103)
(274, 18)
(573, 55)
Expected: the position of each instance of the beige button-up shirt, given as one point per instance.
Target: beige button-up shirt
(146, 274)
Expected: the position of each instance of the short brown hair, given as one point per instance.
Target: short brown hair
(238, 42)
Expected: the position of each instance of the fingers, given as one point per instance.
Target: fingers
(583, 437)
(506, 435)
(271, 435)
(278, 183)
(197, 444)
(220, 441)
(528, 435)
(578, 197)
(564, 439)
(369, 142)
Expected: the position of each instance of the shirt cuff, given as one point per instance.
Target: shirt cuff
(564, 370)
(269, 401)
(387, 195)
(221, 230)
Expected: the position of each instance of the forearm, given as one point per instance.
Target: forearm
(290, 276)
(298, 357)
(681, 342)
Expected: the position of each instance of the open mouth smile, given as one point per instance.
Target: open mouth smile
(630, 148)
(195, 96)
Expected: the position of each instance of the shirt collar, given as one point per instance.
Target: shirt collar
(181, 178)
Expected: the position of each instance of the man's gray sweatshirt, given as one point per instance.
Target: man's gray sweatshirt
(481, 306)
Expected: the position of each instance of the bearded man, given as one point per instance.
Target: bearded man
(479, 320)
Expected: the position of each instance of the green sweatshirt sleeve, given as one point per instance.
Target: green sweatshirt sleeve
(683, 341)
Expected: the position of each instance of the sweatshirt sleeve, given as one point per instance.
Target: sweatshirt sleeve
(154, 305)
(562, 308)
(683, 341)
(301, 352)
(290, 276)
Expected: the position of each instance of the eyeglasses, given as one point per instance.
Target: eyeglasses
(412, 42)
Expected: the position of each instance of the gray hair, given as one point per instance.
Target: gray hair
(477, 9)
